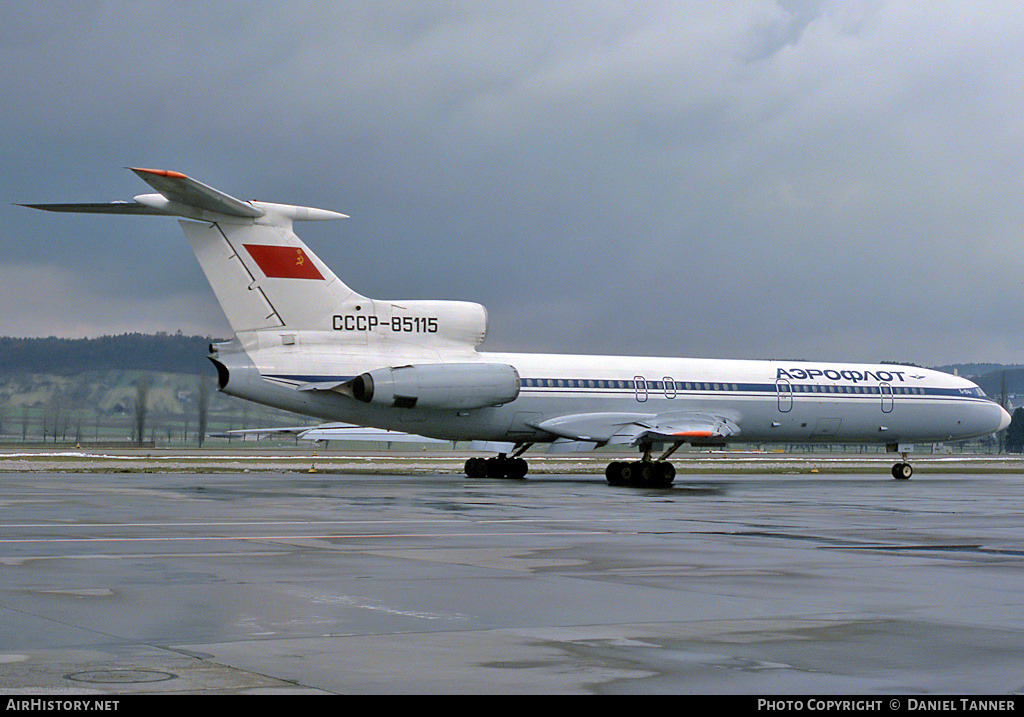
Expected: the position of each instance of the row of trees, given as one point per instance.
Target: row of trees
(162, 353)
(66, 417)
(103, 389)
(1013, 440)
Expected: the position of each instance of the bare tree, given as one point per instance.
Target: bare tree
(141, 400)
(204, 408)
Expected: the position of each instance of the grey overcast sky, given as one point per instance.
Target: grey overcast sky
(745, 178)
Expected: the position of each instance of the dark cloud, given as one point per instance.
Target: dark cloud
(759, 179)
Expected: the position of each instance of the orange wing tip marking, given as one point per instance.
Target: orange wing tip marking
(161, 173)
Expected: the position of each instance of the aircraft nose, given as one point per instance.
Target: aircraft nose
(1004, 419)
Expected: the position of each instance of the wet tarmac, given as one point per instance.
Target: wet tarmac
(334, 582)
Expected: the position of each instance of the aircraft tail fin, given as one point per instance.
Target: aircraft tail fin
(263, 275)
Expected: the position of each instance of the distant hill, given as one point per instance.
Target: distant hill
(164, 353)
(977, 369)
(994, 379)
(994, 383)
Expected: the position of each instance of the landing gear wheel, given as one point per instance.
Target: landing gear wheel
(495, 468)
(666, 473)
(516, 468)
(648, 473)
(476, 468)
(614, 473)
(628, 473)
(902, 471)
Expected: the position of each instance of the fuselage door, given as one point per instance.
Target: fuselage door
(887, 400)
(670, 387)
(785, 391)
(640, 383)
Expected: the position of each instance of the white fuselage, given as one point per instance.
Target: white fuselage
(771, 401)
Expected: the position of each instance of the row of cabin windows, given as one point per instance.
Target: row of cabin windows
(630, 385)
(899, 390)
(694, 386)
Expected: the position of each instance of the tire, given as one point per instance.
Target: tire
(516, 468)
(648, 474)
(628, 473)
(475, 468)
(614, 473)
(666, 474)
(902, 471)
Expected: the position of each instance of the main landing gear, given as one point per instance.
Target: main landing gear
(500, 466)
(641, 474)
(644, 473)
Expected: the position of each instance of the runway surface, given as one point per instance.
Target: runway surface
(294, 582)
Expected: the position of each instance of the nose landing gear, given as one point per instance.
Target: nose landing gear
(902, 470)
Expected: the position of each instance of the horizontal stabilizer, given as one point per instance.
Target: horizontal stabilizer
(183, 190)
(102, 208)
(181, 196)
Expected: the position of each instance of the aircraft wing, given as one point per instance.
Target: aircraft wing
(339, 432)
(636, 428)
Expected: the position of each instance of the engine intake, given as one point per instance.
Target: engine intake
(436, 386)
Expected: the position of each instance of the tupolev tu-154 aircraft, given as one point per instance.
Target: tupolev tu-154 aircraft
(306, 342)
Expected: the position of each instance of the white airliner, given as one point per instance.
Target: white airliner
(306, 342)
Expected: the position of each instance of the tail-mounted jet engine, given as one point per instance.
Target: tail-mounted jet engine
(436, 386)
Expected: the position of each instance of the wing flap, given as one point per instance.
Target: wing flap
(689, 428)
(592, 427)
(322, 386)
